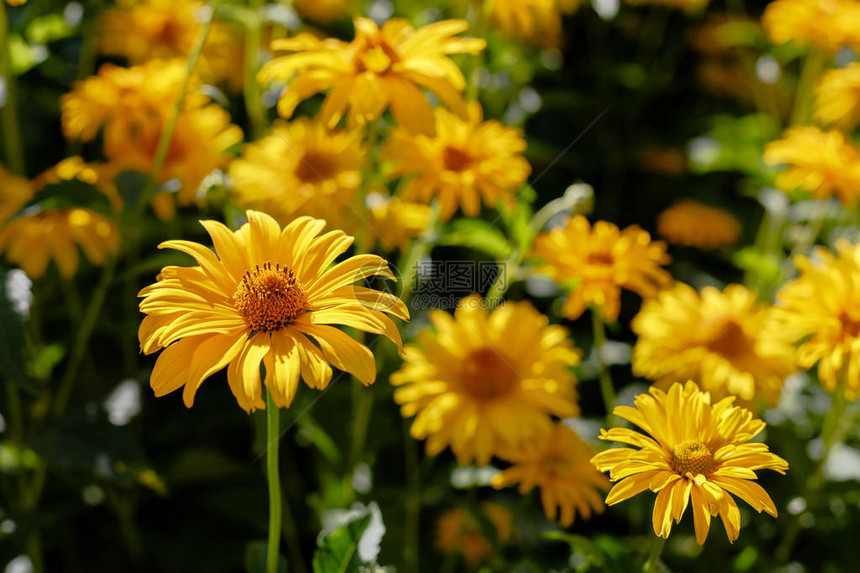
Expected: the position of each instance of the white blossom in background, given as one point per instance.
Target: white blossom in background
(123, 403)
(19, 290)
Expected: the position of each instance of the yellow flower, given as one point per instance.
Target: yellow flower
(486, 380)
(822, 163)
(692, 224)
(300, 167)
(468, 160)
(99, 175)
(685, 5)
(15, 192)
(458, 531)
(263, 296)
(560, 466)
(725, 341)
(599, 262)
(382, 67)
(827, 25)
(692, 453)
(534, 20)
(837, 98)
(31, 241)
(821, 310)
(16, 2)
(324, 11)
(398, 222)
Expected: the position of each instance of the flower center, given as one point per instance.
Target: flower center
(486, 375)
(729, 340)
(850, 325)
(456, 159)
(316, 166)
(377, 58)
(692, 456)
(270, 298)
(600, 259)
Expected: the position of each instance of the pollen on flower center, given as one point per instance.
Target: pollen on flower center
(692, 456)
(729, 340)
(487, 375)
(270, 297)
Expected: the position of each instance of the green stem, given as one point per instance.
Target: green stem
(362, 405)
(291, 536)
(652, 563)
(167, 132)
(253, 100)
(12, 145)
(413, 501)
(813, 65)
(420, 248)
(507, 271)
(273, 425)
(606, 388)
(479, 27)
(363, 241)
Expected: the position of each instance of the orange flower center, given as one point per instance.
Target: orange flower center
(270, 298)
(377, 57)
(316, 166)
(600, 259)
(729, 340)
(850, 326)
(456, 159)
(692, 456)
(486, 375)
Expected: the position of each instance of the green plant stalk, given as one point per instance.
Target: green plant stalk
(651, 564)
(479, 30)
(413, 501)
(363, 241)
(508, 270)
(362, 406)
(170, 125)
(253, 100)
(606, 388)
(420, 248)
(12, 144)
(813, 65)
(273, 427)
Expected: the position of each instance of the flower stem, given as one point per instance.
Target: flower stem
(813, 65)
(253, 101)
(273, 425)
(652, 563)
(413, 501)
(12, 146)
(507, 270)
(606, 388)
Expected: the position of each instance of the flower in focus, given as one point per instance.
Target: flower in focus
(382, 67)
(723, 340)
(822, 163)
(263, 296)
(827, 25)
(468, 160)
(460, 532)
(31, 241)
(16, 192)
(323, 11)
(560, 466)
(398, 222)
(821, 310)
(598, 262)
(300, 167)
(692, 452)
(693, 224)
(486, 380)
(837, 98)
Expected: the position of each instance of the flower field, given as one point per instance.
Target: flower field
(429, 286)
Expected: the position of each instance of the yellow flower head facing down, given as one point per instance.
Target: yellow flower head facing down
(300, 167)
(691, 453)
(820, 309)
(15, 192)
(266, 295)
(827, 25)
(693, 224)
(598, 262)
(837, 98)
(31, 241)
(484, 380)
(822, 163)
(381, 68)
(468, 161)
(561, 467)
(725, 341)
(458, 531)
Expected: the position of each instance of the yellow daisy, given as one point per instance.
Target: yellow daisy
(324, 11)
(693, 224)
(382, 67)
(16, 192)
(598, 262)
(300, 167)
(692, 453)
(398, 222)
(263, 296)
(486, 380)
(534, 20)
(827, 25)
(31, 241)
(469, 160)
(821, 310)
(723, 340)
(822, 163)
(560, 466)
(99, 175)
(837, 98)
(458, 531)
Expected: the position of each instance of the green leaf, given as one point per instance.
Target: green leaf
(476, 234)
(736, 144)
(580, 544)
(255, 558)
(72, 193)
(339, 550)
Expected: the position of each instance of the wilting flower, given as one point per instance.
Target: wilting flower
(825, 24)
(396, 223)
(460, 532)
(16, 192)
(382, 67)
(692, 452)
(822, 163)
(837, 98)
(821, 310)
(323, 11)
(693, 224)
(486, 380)
(300, 167)
(597, 263)
(534, 20)
(561, 467)
(725, 341)
(263, 296)
(32, 240)
(467, 161)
